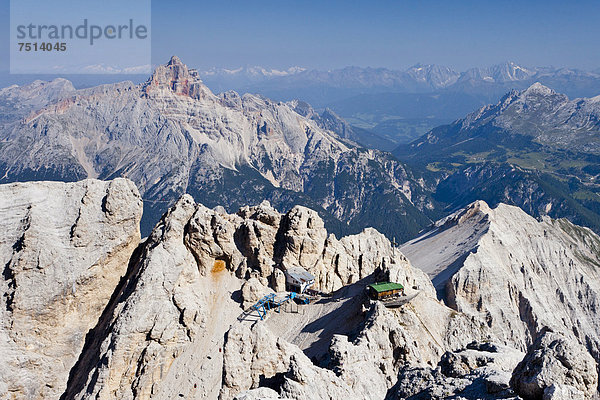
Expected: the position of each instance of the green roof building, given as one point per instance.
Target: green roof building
(382, 290)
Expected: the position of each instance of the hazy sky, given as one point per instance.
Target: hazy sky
(395, 34)
(329, 34)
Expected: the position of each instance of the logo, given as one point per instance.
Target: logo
(84, 37)
(84, 31)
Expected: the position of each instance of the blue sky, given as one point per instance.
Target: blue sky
(394, 34)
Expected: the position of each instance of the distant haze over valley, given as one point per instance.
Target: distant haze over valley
(388, 106)
(385, 107)
(230, 149)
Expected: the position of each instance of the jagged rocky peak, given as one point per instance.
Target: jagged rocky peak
(178, 331)
(436, 75)
(516, 274)
(536, 97)
(505, 72)
(477, 211)
(175, 327)
(509, 71)
(177, 78)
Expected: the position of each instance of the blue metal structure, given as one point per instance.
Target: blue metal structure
(269, 302)
(263, 305)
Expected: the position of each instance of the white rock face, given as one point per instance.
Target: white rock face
(172, 327)
(260, 242)
(64, 248)
(554, 367)
(167, 330)
(254, 355)
(516, 274)
(334, 263)
(442, 254)
(479, 371)
(167, 318)
(175, 325)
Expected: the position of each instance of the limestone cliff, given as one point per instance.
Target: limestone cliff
(90, 312)
(64, 248)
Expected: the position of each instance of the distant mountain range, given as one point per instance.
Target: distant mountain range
(400, 105)
(171, 135)
(419, 78)
(535, 148)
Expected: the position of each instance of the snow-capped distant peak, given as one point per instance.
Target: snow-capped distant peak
(253, 71)
(538, 89)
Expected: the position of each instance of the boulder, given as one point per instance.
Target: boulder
(278, 280)
(562, 392)
(477, 355)
(253, 356)
(252, 291)
(262, 393)
(554, 359)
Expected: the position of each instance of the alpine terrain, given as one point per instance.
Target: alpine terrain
(536, 149)
(395, 106)
(336, 225)
(172, 135)
(91, 311)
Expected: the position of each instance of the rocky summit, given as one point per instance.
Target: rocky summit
(514, 272)
(171, 135)
(90, 310)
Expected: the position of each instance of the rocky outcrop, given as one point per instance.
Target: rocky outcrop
(259, 242)
(334, 263)
(365, 367)
(479, 371)
(64, 248)
(516, 274)
(176, 326)
(162, 322)
(167, 330)
(392, 341)
(254, 357)
(477, 355)
(172, 319)
(175, 77)
(251, 356)
(555, 367)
